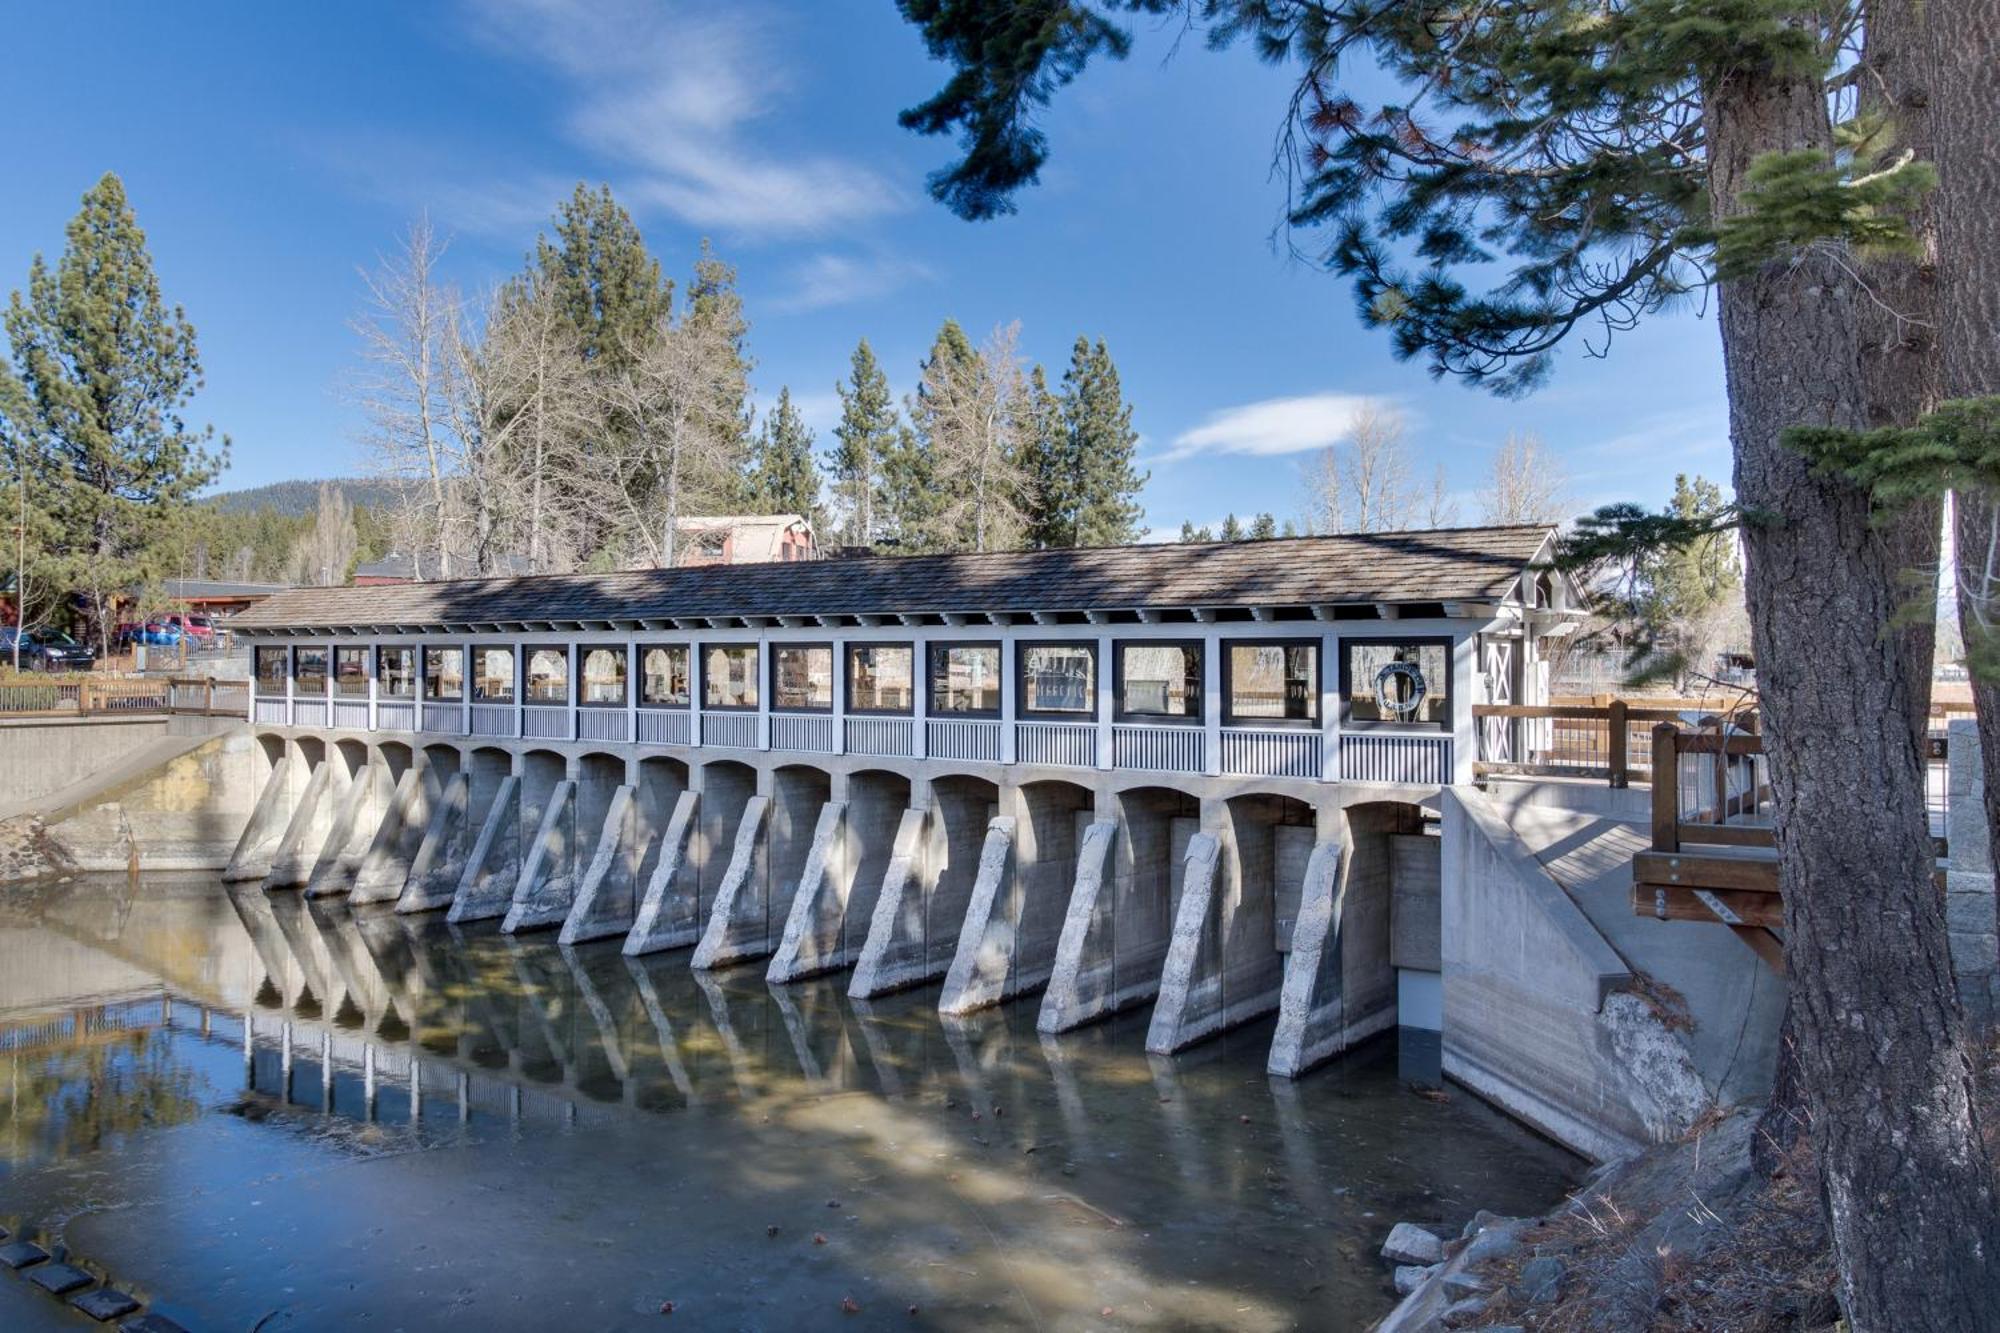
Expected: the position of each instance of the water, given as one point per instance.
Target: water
(438, 1127)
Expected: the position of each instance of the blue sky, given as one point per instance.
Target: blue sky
(272, 150)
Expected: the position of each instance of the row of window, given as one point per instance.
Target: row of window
(1264, 681)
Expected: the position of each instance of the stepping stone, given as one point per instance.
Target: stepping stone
(105, 1303)
(150, 1323)
(60, 1278)
(21, 1254)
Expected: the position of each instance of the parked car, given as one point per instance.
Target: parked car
(46, 650)
(152, 633)
(198, 628)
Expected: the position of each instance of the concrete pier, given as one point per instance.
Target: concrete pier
(385, 868)
(313, 819)
(1007, 946)
(493, 864)
(666, 918)
(285, 774)
(628, 851)
(780, 838)
(836, 900)
(927, 888)
(359, 818)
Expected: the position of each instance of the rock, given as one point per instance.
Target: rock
(1408, 1277)
(1461, 1284)
(150, 1323)
(1541, 1280)
(105, 1303)
(21, 1254)
(1461, 1314)
(1409, 1243)
(1481, 1221)
(59, 1278)
(1497, 1242)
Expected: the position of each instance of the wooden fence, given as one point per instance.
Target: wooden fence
(90, 696)
(1608, 741)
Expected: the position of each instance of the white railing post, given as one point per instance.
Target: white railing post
(520, 693)
(1105, 677)
(374, 670)
(1009, 682)
(1211, 703)
(920, 699)
(465, 689)
(695, 688)
(291, 669)
(575, 690)
(840, 696)
(1329, 705)
(763, 672)
(632, 691)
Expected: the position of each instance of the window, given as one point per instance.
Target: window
(444, 675)
(309, 670)
(1059, 678)
(1404, 682)
(603, 678)
(729, 676)
(493, 675)
(965, 679)
(396, 673)
(1159, 680)
(350, 672)
(1271, 683)
(881, 677)
(663, 676)
(802, 677)
(271, 671)
(547, 676)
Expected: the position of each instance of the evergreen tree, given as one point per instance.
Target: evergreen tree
(1050, 465)
(1263, 526)
(608, 284)
(1291, 529)
(1191, 533)
(1232, 531)
(916, 489)
(715, 308)
(863, 442)
(105, 370)
(784, 478)
(1102, 495)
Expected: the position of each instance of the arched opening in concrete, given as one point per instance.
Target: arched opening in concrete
(269, 754)
(541, 772)
(661, 783)
(1270, 840)
(1391, 927)
(1149, 869)
(876, 801)
(962, 807)
(599, 776)
(443, 761)
(397, 757)
(352, 755)
(1053, 817)
(485, 771)
(726, 787)
(313, 750)
(798, 792)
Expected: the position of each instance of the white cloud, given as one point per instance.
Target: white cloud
(673, 92)
(831, 280)
(1276, 426)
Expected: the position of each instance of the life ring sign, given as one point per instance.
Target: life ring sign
(1400, 689)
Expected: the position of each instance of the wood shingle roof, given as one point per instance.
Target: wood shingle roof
(1443, 565)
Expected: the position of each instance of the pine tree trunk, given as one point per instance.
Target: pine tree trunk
(1878, 1032)
(1966, 46)
(1899, 381)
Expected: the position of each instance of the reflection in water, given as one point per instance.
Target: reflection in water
(994, 1174)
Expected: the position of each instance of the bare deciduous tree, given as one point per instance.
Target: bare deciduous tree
(322, 553)
(974, 414)
(1364, 485)
(1440, 511)
(1528, 484)
(405, 331)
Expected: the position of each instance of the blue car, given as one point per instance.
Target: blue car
(154, 634)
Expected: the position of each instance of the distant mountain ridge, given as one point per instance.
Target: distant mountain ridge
(294, 499)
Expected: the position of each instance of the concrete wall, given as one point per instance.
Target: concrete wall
(176, 803)
(41, 756)
(1539, 1015)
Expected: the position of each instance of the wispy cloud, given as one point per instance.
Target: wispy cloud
(675, 93)
(1276, 426)
(833, 280)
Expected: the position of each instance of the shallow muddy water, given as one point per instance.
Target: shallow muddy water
(436, 1127)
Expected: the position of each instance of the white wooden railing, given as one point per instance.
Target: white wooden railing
(545, 722)
(602, 724)
(811, 733)
(734, 729)
(1255, 752)
(963, 738)
(663, 726)
(892, 736)
(1073, 744)
(309, 712)
(445, 719)
(395, 715)
(351, 714)
(1381, 757)
(272, 711)
(1158, 749)
(493, 719)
